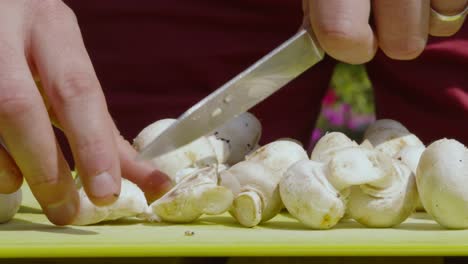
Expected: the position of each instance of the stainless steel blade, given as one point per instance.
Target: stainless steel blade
(237, 96)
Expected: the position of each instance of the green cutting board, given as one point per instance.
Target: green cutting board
(29, 234)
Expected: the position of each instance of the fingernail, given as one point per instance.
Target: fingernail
(63, 212)
(103, 185)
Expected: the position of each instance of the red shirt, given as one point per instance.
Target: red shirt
(155, 59)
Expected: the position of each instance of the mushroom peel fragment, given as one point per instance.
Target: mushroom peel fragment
(441, 176)
(131, 203)
(198, 153)
(390, 136)
(386, 202)
(308, 195)
(329, 143)
(255, 190)
(196, 194)
(9, 205)
(236, 138)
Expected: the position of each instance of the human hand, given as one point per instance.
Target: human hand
(401, 27)
(41, 39)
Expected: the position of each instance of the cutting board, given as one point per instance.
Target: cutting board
(29, 234)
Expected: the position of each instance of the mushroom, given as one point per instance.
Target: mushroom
(196, 194)
(410, 156)
(328, 144)
(131, 203)
(9, 205)
(441, 176)
(198, 153)
(236, 138)
(316, 193)
(254, 182)
(390, 136)
(228, 144)
(386, 202)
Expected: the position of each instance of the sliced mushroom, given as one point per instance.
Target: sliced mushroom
(9, 205)
(410, 156)
(131, 203)
(309, 196)
(196, 194)
(390, 136)
(386, 202)
(442, 176)
(198, 153)
(328, 144)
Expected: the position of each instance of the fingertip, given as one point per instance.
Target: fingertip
(63, 212)
(155, 185)
(404, 49)
(102, 189)
(11, 177)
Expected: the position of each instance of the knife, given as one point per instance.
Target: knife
(253, 85)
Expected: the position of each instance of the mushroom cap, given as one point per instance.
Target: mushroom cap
(195, 195)
(9, 205)
(376, 207)
(442, 176)
(329, 143)
(252, 177)
(390, 136)
(278, 156)
(309, 197)
(198, 153)
(131, 202)
(236, 138)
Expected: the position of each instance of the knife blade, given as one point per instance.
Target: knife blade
(250, 87)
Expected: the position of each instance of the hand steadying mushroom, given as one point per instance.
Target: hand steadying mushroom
(442, 176)
(254, 182)
(131, 203)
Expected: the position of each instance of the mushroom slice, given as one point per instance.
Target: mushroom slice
(328, 144)
(386, 202)
(131, 203)
(255, 189)
(9, 205)
(390, 136)
(308, 195)
(198, 153)
(196, 194)
(410, 156)
(236, 138)
(442, 176)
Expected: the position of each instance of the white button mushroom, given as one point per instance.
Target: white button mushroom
(9, 205)
(254, 181)
(390, 136)
(328, 144)
(198, 153)
(386, 202)
(442, 175)
(309, 197)
(236, 138)
(196, 194)
(131, 203)
(410, 156)
(317, 193)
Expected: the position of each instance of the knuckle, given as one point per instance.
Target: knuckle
(14, 102)
(44, 181)
(74, 86)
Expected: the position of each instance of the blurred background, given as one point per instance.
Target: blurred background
(348, 105)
